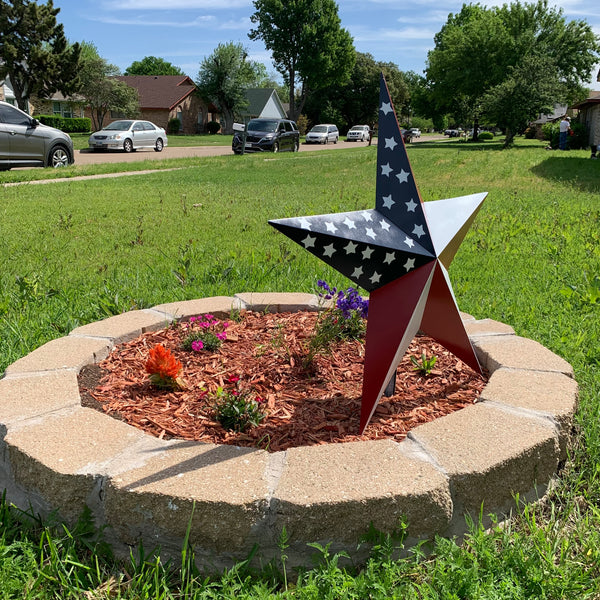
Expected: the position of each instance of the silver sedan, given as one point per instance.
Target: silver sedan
(129, 135)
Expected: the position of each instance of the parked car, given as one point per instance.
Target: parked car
(406, 136)
(415, 132)
(129, 135)
(322, 134)
(25, 142)
(358, 133)
(267, 135)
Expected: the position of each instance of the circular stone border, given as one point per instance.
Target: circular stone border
(56, 455)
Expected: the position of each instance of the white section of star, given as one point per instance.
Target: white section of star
(390, 257)
(390, 143)
(375, 278)
(370, 233)
(403, 176)
(349, 223)
(418, 230)
(410, 264)
(309, 242)
(367, 216)
(411, 205)
(384, 225)
(366, 253)
(410, 243)
(305, 223)
(330, 226)
(357, 272)
(388, 202)
(386, 170)
(386, 107)
(328, 250)
(350, 248)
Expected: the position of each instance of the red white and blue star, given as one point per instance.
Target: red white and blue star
(399, 252)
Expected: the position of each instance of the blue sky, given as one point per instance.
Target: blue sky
(184, 32)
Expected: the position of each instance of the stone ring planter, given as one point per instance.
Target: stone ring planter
(58, 455)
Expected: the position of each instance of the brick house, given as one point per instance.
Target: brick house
(589, 115)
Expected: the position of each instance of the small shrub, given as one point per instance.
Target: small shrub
(173, 126)
(485, 136)
(302, 124)
(163, 368)
(529, 133)
(205, 333)
(213, 127)
(236, 408)
(74, 125)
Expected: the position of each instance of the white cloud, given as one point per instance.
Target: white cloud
(175, 4)
(143, 22)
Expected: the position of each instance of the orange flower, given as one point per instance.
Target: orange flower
(163, 364)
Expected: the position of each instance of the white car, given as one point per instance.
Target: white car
(358, 133)
(323, 134)
(415, 132)
(129, 135)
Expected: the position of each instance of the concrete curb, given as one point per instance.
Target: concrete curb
(57, 455)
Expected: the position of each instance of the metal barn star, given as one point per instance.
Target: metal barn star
(400, 253)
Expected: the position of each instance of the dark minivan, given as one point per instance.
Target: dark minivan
(25, 142)
(267, 135)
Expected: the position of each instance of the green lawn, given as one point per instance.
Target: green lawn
(76, 252)
(80, 140)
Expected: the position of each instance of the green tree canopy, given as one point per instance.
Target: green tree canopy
(34, 51)
(151, 65)
(223, 78)
(480, 48)
(308, 45)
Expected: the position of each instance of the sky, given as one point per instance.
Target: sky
(184, 32)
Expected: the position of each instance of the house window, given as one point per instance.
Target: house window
(64, 109)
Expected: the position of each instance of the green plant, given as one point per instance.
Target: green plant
(163, 368)
(213, 127)
(235, 408)
(205, 332)
(173, 126)
(485, 136)
(424, 365)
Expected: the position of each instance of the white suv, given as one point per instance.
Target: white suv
(358, 133)
(323, 134)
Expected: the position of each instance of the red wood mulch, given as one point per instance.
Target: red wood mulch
(265, 351)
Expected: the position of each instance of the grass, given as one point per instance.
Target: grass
(76, 252)
(80, 140)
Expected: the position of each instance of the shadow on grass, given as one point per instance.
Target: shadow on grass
(575, 171)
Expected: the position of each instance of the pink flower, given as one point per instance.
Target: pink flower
(197, 345)
(233, 379)
(222, 336)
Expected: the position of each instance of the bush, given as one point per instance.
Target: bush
(213, 127)
(73, 125)
(173, 126)
(578, 140)
(302, 124)
(485, 136)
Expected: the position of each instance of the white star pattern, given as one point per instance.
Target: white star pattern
(330, 227)
(309, 242)
(386, 170)
(410, 264)
(367, 253)
(357, 273)
(350, 248)
(375, 277)
(349, 224)
(388, 202)
(411, 205)
(390, 257)
(418, 230)
(328, 250)
(384, 225)
(386, 108)
(305, 223)
(390, 143)
(410, 243)
(370, 233)
(367, 215)
(403, 176)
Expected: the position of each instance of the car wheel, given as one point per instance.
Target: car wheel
(58, 157)
(159, 145)
(296, 147)
(335, 141)
(128, 146)
(275, 147)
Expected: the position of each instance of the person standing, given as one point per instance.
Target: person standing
(565, 125)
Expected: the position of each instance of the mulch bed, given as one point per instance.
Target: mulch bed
(303, 408)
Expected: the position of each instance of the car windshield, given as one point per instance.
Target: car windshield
(119, 126)
(357, 128)
(319, 129)
(267, 126)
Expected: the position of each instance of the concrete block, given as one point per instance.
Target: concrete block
(219, 306)
(279, 302)
(489, 455)
(68, 352)
(333, 492)
(516, 352)
(485, 327)
(125, 327)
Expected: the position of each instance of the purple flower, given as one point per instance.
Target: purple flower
(197, 345)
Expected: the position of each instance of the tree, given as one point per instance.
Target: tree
(102, 92)
(151, 65)
(223, 78)
(34, 51)
(308, 45)
(479, 49)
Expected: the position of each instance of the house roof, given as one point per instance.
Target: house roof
(258, 99)
(557, 112)
(160, 91)
(594, 98)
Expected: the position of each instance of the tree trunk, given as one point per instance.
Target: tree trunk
(475, 129)
(510, 136)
